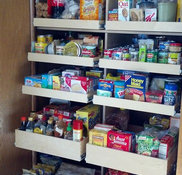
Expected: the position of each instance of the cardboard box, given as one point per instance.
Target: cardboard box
(33, 81)
(90, 114)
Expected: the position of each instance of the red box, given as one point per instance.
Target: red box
(119, 140)
(108, 53)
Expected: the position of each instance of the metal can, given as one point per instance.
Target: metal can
(49, 38)
(174, 58)
(163, 57)
(134, 55)
(152, 56)
(126, 56)
(41, 39)
(40, 47)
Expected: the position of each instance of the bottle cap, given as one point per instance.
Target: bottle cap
(78, 124)
(23, 118)
(69, 127)
(60, 117)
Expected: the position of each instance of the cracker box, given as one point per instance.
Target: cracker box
(123, 10)
(119, 140)
(98, 137)
(90, 114)
(92, 9)
(136, 86)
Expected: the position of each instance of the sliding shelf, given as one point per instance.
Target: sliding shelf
(50, 93)
(129, 162)
(51, 145)
(168, 28)
(141, 66)
(59, 59)
(69, 23)
(134, 105)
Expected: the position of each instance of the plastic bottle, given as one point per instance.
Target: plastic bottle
(77, 130)
(37, 127)
(69, 132)
(23, 123)
(60, 127)
(30, 125)
(50, 128)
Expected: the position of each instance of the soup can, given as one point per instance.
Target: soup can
(41, 39)
(49, 38)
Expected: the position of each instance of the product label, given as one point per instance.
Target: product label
(77, 135)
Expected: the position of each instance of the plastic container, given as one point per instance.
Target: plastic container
(167, 10)
(77, 130)
(69, 132)
(50, 128)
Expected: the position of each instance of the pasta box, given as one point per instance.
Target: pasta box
(119, 140)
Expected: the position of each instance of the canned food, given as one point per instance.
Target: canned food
(163, 57)
(126, 56)
(174, 58)
(49, 38)
(134, 55)
(41, 39)
(40, 47)
(59, 50)
(152, 56)
(175, 47)
(117, 55)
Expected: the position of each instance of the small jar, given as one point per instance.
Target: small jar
(77, 130)
(175, 47)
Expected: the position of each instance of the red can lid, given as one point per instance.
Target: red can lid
(77, 124)
(176, 44)
(23, 118)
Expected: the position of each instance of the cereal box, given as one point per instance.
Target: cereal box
(123, 10)
(89, 114)
(119, 140)
(136, 86)
(150, 15)
(92, 9)
(98, 137)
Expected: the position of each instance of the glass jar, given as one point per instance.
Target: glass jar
(167, 10)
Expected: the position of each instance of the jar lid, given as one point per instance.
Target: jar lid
(78, 124)
(176, 44)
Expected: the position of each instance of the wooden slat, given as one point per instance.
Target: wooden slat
(64, 95)
(59, 59)
(134, 105)
(68, 23)
(140, 66)
(126, 161)
(50, 145)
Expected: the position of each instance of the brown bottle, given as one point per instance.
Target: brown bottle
(60, 127)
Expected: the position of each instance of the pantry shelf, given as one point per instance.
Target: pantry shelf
(141, 66)
(168, 28)
(64, 95)
(68, 23)
(129, 162)
(59, 59)
(51, 145)
(134, 105)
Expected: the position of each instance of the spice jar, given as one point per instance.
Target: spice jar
(167, 10)
(77, 130)
(175, 47)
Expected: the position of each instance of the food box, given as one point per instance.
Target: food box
(57, 82)
(98, 137)
(106, 85)
(151, 15)
(113, 15)
(92, 9)
(33, 81)
(123, 10)
(119, 140)
(119, 89)
(154, 96)
(136, 14)
(90, 114)
(136, 86)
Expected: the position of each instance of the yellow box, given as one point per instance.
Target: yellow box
(90, 115)
(57, 82)
(98, 137)
(179, 11)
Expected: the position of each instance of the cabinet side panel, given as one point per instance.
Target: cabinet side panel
(14, 46)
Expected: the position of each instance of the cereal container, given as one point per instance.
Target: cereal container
(123, 10)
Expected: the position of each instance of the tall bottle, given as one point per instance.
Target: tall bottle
(60, 127)
(50, 128)
(23, 123)
(30, 125)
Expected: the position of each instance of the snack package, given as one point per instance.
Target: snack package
(98, 137)
(159, 121)
(154, 96)
(90, 115)
(136, 86)
(92, 9)
(106, 85)
(136, 14)
(33, 81)
(123, 10)
(119, 140)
